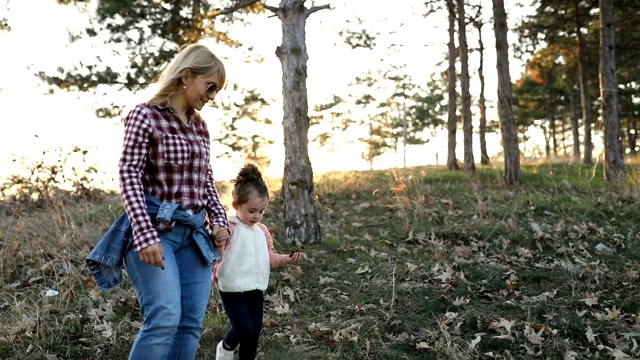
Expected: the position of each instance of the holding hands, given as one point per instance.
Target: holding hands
(220, 237)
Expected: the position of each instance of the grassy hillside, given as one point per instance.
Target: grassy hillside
(418, 263)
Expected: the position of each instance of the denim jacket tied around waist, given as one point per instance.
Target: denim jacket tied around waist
(107, 257)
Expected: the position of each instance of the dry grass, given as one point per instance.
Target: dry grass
(417, 263)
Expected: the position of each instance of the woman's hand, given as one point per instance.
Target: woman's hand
(296, 258)
(153, 254)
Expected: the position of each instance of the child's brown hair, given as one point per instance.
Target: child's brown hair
(249, 179)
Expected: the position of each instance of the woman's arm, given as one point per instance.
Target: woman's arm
(131, 167)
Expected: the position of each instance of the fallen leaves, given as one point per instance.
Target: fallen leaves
(507, 274)
(345, 331)
(537, 333)
(590, 299)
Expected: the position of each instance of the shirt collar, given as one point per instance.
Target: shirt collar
(234, 219)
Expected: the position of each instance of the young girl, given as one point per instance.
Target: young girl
(242, 275)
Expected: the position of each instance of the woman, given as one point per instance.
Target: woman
(169, 195)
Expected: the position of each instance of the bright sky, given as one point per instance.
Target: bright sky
(35, 123)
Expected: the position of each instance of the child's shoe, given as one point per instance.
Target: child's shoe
(222, 354)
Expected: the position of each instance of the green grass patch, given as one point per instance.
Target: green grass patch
(416, 263)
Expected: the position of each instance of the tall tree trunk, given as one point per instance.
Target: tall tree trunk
(632, 137)
(452, 125)
(301, 221)
(553, 133)
(614, 163)
(509, 129)
(575, 128)
(587, 114)
(467, 128)
(546, 134)
(630, 123)
(563, 133)
(405, 116)
(484, 157)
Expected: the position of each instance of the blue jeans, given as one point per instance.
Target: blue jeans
(245, 311)
(173, 301)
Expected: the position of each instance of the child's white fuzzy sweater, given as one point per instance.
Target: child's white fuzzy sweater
(247, 258)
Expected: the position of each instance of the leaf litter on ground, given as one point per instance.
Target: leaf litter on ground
(417, 263)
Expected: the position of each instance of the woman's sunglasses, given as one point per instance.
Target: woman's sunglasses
(212, 87)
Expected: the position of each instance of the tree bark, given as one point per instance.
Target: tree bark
(482, 104)
(587, 115)
(631, 138)
(467, 128)
(301, 222)
(575, 128)
(553, 124)
(508, 126)
(452, 120)
(546, 134)
(614, 163)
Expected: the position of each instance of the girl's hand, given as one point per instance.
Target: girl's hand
(296, 258)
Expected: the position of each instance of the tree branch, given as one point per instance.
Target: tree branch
(271, 8)
(238, 6)
(317, 8)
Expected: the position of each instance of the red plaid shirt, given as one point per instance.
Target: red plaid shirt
(169, 160)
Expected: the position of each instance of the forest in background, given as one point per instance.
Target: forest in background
(567, 48)
(407, 263)
(385, 110)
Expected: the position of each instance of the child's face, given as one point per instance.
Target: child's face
(251, 212)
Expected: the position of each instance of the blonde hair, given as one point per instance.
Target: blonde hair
(196, 58)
